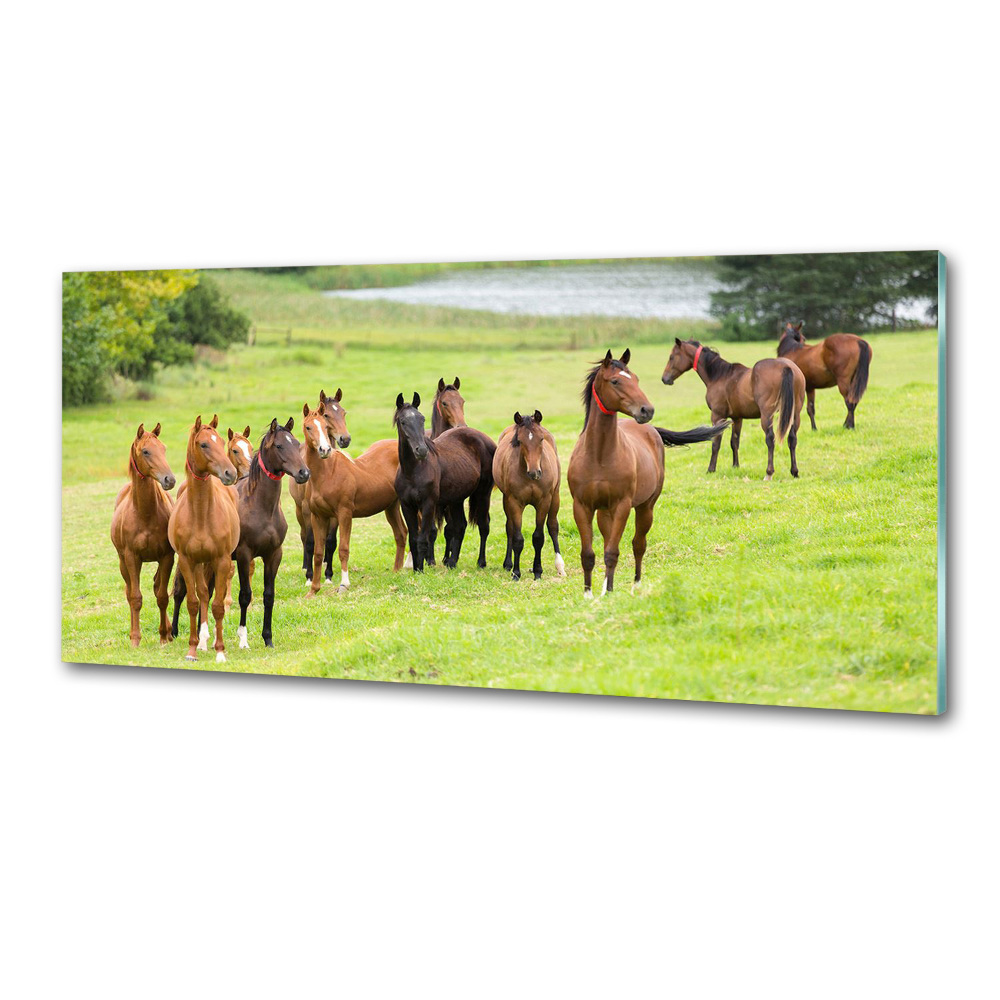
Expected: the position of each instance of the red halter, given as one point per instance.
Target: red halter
(187, 465)
(697, 354)
(270, 475)
(134, 466)
(597, 399)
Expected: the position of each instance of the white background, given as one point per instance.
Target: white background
(170, 834)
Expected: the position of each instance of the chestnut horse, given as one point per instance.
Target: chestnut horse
(434, 479)
(773, 385)
(526, 471)
(139, 525)
(240, 451)
(341, 488)
(617, 465)
(203, 530)
(842, 359)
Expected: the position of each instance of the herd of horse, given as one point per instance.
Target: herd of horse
(228, 509)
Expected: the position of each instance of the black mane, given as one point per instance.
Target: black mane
(714, 364)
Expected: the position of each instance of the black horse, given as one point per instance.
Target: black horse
(435, 478)
(262, 522)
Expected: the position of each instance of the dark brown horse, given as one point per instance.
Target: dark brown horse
(842, 359)
(526, 471)
(617, 465)
(203, 530)
(449, 408)
(434, 479)
(139, 525)
(773, 385)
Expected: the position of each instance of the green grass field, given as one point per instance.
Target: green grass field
(816, 592)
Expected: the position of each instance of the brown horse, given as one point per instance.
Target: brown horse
(617, 466)
(843, 360)
(139, 525)
(203, 530)
(526, 471)
(240, 451)
(341, 488)
(339, 436)
(774, 385)
(449, 408)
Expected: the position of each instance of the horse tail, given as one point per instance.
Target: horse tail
(693, 436)
(479, 502)
(860, 381)
(786, 402)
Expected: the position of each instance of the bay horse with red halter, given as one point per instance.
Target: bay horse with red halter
(526, 471)
(842, 359)
(341, 488)
(204, 529)
(339, 436)
(617, 465)
(435, 477)
(139, 526)
(772, 386)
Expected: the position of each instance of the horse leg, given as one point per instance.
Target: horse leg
(431, 539)
(412, 519)
(427, 524)
(811, 406)
(643, 522)
(553, 526)
(458, 522)
(161, 587)
(321, 529)
(844, 385)
(130, 568)
(483, 523)
(190, 584)
(449, 539)
(344, 523)
(515, 539)
(223, 580)
(331, 547)
(584, 518)
(180, 592)
(307, 552)
(538, 539)
(508, 562)
(203, 592)
(243, 563)
(612, 525)
(767, 423)
(395, 519)
(271, 564)
(734, 440)
(793, 439)
(716, 442)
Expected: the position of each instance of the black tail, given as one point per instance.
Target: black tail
(693, 436)
(860, 381)
(786, 402)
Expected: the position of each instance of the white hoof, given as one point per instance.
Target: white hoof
(203, 636)
(220, 657)
(408, 562)
(342, 589)
(190, 658)
(560, 565)
(604, 588)
(588, 594)
(241, 632)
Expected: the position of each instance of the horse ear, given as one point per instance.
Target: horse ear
(339, 396)
(290, 424)
(246, 431)
(416, 399)
(624, 358)
(457, 383)
(215, 421)
(440, 385)
(607, 357)
(139, 433)
(305, 409)
(517, 417)
(322, 398)
(274, 425)
(400, 402)
(230, 433)
(156, 429)
(677, 341)
(197, 423)
(538, 416)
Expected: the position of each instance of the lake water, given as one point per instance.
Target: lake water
(666, 290)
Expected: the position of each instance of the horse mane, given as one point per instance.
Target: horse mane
(253, 477)
(714, 364)
(588, 387)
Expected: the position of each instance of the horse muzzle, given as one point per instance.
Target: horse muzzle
(668, 379)
(644, 414)
(168, 482)
(535, 474)
(301, 476)
(343, 441)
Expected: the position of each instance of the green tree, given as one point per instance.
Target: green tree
(829, 292)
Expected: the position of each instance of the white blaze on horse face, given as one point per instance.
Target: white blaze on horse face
(245, 448)
(625, 374)
(324, 442)
(531, 437)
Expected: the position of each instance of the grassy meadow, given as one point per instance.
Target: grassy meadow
(819, 591)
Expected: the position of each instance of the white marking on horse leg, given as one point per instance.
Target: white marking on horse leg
(604, 587)
(220, 657)
(588, 594)
(203, 636)
(408, 562)
(241, 632)
(345, 580)
(560, 565)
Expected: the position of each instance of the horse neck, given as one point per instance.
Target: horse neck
(267, 492)
(200, 491)
(714, 367)
(601, 435)
(144, 489)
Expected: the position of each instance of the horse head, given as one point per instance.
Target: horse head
(409, 422)
(240, 451)
(149, 458)
(529, 438)
(336, 417)
(206, 454)
(615, 389)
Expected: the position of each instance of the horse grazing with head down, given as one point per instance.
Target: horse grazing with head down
(617, 465)
(434, 479)
(526, 471)
(773, 385)
(139, 525)
(341, 488)
(842, 359)
(203, 530)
